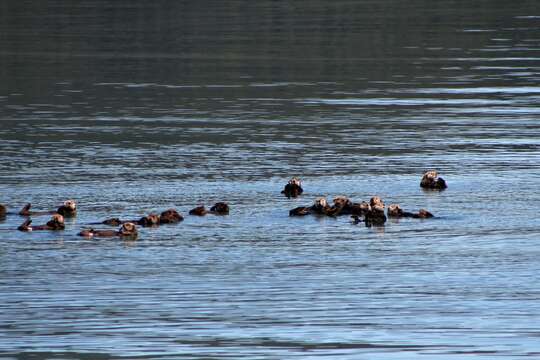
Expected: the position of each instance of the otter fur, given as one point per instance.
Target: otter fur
(432, 181)
(293, 188)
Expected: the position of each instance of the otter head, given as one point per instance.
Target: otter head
(320, 202)
(295, 181)
(341, 201)
(220, 208)
(170, 216)
(70, 204)
(149, 220)
(431, 174)
(395, 210)
(128, 229)
(376, 201)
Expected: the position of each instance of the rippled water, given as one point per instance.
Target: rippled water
(131, 107)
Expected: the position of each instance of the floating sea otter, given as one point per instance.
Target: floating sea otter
(373, 213)
(145, 221)
(170, 216)
(293, 188)
(431, 180)
(220, 208)
(198, 211)
(56, 223)
(126, 230)
(68, 209)
(319, 207)
(3, 211)
(395, 210)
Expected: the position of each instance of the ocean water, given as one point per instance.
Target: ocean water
(131, 107)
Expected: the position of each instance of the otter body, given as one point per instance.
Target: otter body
(55, 223)
(396, 211)
(293, 188)
(170, 216)
(220, 208)
(68, 209)
(126, 230)
(432, 181)
(3, 212)
(198, 211)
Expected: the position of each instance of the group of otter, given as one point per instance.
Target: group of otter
(370, 214)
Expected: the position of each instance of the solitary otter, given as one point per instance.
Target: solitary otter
(3, 212)
(68, 209)
(432, 181)
(395, 210)
(198, 211)
(293, 188)
(126, 230)
(170, 216)
(56, 223)
(220, 208)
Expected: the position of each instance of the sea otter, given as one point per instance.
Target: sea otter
(3, 211)
(68, 209)
(396, 211)
(126, 230)
(198, 211)
(56, 223)
(170, 216)
(432, 181)
(146, 221)
(220, 208)
(375, 214)
(293, 188)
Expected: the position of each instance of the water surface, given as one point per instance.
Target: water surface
(131, 107)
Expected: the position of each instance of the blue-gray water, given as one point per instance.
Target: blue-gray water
(131, 107)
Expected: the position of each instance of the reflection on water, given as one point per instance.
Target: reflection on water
(133, 107)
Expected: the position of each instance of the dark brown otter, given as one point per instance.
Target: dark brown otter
(300, 211)
(146, 221)
(149, 220)
(56, 223)
(432, 181)
(320, 206)
(396, 211)
(293, 188)
(3, 211)
(375, 214)
(126, 230)
(170, 216)
(68, 209)
(220, 208)
(198, 211)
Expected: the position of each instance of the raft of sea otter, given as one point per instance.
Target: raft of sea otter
(370, 214)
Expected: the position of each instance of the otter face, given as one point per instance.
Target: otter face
(376, 202)
(431, 174)
(128, 229)
(394, 210)
(295, 181)
(341, 201)
(320, 202)
(70, 204)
